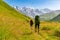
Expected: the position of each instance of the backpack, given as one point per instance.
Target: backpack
(37, 20)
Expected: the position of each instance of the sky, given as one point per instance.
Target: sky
(37, 4)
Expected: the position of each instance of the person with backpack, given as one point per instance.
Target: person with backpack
(31, 24)
(37, 23)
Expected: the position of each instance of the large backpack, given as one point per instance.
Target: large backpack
(37, 19)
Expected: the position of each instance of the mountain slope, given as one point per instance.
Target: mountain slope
(5, 7)
(10, 22)
(49, 16)
(45, 14)
(57, 18)
(32, 12)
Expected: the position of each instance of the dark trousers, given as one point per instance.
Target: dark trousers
(31, 26)
(37, 27)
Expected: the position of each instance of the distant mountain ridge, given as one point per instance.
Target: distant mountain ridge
(33, 12)
(45, 14)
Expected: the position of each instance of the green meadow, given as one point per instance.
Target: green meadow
(15, 26)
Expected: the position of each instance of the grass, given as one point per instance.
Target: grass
(15, 26)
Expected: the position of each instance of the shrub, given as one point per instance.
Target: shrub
(46, 28)
(57, 33)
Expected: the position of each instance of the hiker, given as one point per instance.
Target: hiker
(37, 22)
(31, 24)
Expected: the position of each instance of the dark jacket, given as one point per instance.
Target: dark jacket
(31, 22)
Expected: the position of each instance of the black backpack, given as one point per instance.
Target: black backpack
(37, 19)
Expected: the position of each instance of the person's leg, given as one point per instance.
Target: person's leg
(38, 28)
(35, 28)
(31, 27)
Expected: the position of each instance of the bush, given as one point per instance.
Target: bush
(46, 28)
(57, 33)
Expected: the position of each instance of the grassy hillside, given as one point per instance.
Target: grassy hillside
(10, 21)
(57, 18)
(48, 16)
(15, 26)
(5, 7)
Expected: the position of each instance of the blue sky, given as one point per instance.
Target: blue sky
(40, 4)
